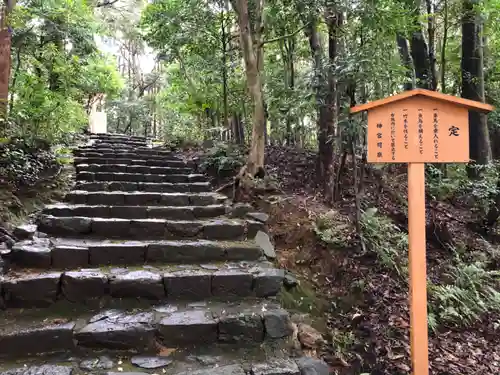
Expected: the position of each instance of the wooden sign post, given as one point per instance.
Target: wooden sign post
(418, 127)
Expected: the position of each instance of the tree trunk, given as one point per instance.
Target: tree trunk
(5, 61)
(328, 127)
(473, 86)
(224, 46)
(443, 47)
(404, 54)
(420, 52)
(431, 33)
(255, 163)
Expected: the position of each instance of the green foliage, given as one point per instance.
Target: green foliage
(333, 229)
(455, 183)
(223, 159)
(471, 292)
(386, 240)
(56, 69)
(23, 164)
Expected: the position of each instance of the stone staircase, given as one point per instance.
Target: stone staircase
(142, 258)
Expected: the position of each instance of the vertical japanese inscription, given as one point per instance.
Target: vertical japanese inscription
(405, 127)
(379, 140)
(436, 133)
(393, 136)
(421, 131)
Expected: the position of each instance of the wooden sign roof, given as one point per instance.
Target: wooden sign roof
(461, 102)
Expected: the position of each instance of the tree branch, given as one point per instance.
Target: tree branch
(106, 3)
(284, 36)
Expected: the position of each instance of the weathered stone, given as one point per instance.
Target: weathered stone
(312, 366)
(188, 327)
(101, 363)
(110, 227)
(118, 331)
(120, 253)
(262, 239)
(66, 256)
(126, 373)
(201, 199)
(31, 254)
(106, 198)
(239, 210)
(65, 225)
(309, 337)
(268, 282)
(25, 232)
(137, 284)
(223, 230)
(188, 284)
(36, 340)
(31, 290)
(129, 212)
(40, 370)
(227, 283)
(82, 285)
(213, 210)
(77, 197)
(276, 367)
(147, 228)
(174, 199)
(171, 213)
(184, 229)
(217, 370)
(140, 198)
(184, 251)
(254, 227)
(258, 216)
(277, 323)
(243, 326)
(290, 281)
(150, 362)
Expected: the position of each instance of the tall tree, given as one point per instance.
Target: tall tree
(472, 66)
(250, 24)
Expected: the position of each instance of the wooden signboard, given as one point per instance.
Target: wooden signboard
(418, 127)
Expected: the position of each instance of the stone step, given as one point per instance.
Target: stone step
(174, 178)
(162, 283)
(141, 152)
(271, 357)
(117, 136)
(105, 159)
(215, 229)
(137, 212)
(124, 168)
(111, 141)
(174, 326)
(139, 194)
(110, 154)
(69, 253)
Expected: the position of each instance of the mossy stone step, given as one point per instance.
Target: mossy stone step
(215, 229)
(140, 194)
(137, 212)
(112, 159)
(61, 253)
(161, 283)
(178, 176)
(175, 325)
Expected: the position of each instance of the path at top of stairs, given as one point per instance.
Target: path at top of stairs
(142, 256)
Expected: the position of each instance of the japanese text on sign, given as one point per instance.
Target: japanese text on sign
(417, 131)
(436, 133)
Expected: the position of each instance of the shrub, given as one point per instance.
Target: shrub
(470, 294)
(386, 240)
(223, 159)
(22, 164)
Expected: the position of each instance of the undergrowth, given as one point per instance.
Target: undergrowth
(223, 159)
(466, 291)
